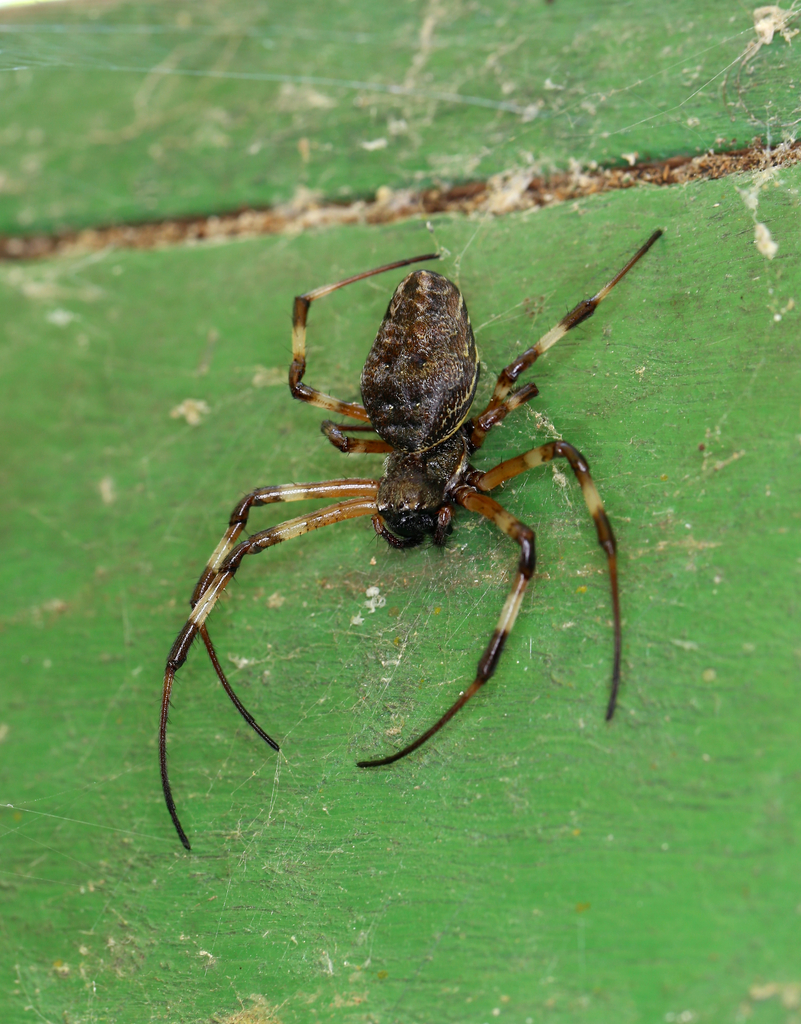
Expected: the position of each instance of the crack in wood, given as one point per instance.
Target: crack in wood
(502, 193)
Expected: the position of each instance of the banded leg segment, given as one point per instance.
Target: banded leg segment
(493, 416)
(353, 445)
(583, 311)
(562, 450)
(208, 597)
(299, 317)
(346, 488)
(265, 496)
(239, 516)
(524, 536)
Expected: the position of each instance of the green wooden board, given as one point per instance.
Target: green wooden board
(127, 111)
(532, 864)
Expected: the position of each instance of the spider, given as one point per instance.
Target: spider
(417, 385)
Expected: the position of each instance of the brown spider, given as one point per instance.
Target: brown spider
(417, 385)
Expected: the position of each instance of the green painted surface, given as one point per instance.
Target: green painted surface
(532, 861)
(127, 111)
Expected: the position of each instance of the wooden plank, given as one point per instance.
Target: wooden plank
(532, 860)
(129, 111)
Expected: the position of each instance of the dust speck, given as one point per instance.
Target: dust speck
(789, 993)
(108, 493)
(261, 1012)
(191, 409)
(764, 241)
(60, 317)
(375, 599)
(769, 20)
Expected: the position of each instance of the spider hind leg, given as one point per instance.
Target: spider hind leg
(299, 318)
(524, 536)
(606, 538)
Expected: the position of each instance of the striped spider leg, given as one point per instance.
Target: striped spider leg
(417, 385)
(502, 402)
(360, 500)
(222, 566)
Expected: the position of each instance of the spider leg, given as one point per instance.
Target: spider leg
(240, 707)
(210, 588)
(524, 536)
(583, 311)
(538, 457)
(298, 366)
(491, 417)
(237, 522)
(351, 445)
(346, 488)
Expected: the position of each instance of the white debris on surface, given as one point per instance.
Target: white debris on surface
(108, 494)
(192, 410)
(240, 662)
(771, 19)
(764, 241)
(60, 317)
(268, 376)
(374, 599)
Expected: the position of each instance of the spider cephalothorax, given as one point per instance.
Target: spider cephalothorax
(413, 492)
(418, 385)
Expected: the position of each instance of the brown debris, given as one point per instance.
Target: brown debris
(503, 193)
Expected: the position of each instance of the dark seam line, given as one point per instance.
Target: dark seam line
(389, 206)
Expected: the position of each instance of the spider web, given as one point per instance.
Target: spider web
(268, 110)
(337, 670)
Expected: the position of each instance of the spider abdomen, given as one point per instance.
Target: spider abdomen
(421, 373)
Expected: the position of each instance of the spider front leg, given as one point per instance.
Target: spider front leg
(347, 488)
(210, 588)
(236, 523)
(524, 536)
(298, 366)
(562, 450)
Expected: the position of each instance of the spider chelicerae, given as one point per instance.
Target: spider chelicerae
(417, 385)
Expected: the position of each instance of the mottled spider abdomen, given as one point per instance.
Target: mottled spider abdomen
(421, 374)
